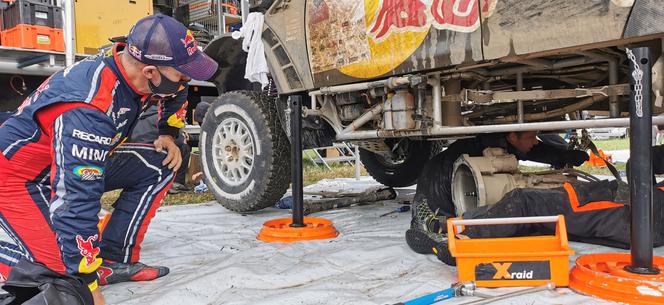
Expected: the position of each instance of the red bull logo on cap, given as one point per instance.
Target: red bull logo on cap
(190, 43)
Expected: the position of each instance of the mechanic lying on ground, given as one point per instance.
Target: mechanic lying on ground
(60, 153)
(434, 184)
(595, 212)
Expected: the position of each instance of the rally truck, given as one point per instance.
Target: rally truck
(399, 77)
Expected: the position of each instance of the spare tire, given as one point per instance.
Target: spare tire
(399, 169)
(245, 153)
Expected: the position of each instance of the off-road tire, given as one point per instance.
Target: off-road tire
(269, 177)
(403, 174)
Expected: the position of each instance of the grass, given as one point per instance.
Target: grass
(613, 144)
(312, 174)
(594, 170)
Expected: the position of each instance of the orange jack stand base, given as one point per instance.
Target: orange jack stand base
(279, 230)
(603, 276)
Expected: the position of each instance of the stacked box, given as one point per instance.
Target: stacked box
(34, 37)
(33, 24)
(32, 12)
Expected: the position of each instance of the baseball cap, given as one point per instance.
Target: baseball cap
(160, 40)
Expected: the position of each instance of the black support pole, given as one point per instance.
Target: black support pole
(296, 159)
(640, 180)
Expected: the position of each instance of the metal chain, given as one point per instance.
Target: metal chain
(637, 74)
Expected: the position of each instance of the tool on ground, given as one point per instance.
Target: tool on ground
(513, 261)
(491, 299)
(456, 290)
(364, 198)
(400, 209)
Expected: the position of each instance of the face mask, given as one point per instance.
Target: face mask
(167, 87)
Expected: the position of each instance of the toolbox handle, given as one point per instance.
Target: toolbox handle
(504, 221)
(455, 225)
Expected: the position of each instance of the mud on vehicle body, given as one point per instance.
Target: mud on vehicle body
(397, 77)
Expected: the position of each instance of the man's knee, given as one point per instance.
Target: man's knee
(138, 166)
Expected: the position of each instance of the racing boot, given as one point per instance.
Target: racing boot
(112, 272)
(427, 234)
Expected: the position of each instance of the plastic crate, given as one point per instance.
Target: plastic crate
(34, 37)
(32, 12)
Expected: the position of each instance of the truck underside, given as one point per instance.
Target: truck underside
(400, 120)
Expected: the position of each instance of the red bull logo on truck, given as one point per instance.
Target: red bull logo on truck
(420, 15)
(395, 29)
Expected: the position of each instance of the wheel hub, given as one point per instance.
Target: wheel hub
(233, 147)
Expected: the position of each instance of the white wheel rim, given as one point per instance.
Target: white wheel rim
(233, 151)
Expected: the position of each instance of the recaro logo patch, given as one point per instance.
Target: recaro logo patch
(90, 137)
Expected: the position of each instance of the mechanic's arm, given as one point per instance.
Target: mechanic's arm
(172, 114)
(658, 160)
(556, 156)
(81, 139)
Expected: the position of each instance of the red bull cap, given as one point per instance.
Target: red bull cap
(160, 40)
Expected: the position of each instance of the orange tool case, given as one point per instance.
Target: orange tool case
(34, 37)
(513, 261)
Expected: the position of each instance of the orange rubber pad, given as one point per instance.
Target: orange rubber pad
(603, 276)
(279, 230)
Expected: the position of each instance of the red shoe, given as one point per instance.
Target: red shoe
(111, 272)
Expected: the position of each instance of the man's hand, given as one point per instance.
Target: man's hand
(174, 159)
(97, 297)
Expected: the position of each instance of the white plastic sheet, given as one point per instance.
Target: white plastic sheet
(215, 259)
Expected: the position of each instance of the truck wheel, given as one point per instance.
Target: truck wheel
(399, 169)
(245, 153)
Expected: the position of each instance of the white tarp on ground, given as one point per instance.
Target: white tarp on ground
(215, 259)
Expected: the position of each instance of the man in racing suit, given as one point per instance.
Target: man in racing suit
(61, 151)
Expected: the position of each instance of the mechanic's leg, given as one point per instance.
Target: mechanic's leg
(590, 214)
(138, 171)
(185, 151)
(24, 217)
